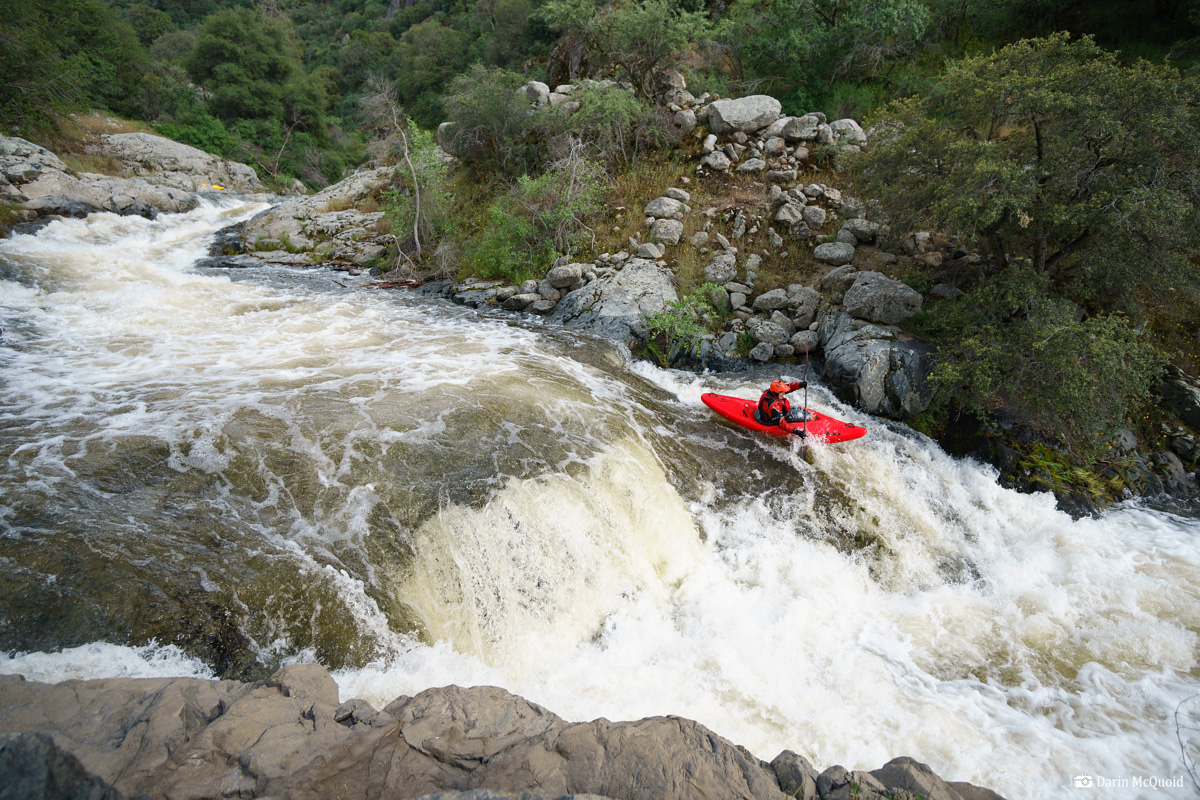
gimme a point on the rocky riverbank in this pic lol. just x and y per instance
(158, 176)
(291, 736)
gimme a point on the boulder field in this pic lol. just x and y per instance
(290, 736)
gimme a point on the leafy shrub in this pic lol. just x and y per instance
(537, 219)
(1009, 342)
(680, 326)
(491, 122)
(199, 129)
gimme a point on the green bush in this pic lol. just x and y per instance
(1011, 343)
(679, 327)
(199, 129)
(536, 220)
(491, 122)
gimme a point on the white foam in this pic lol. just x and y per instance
(874, 599)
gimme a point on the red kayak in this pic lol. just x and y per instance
(818, 426)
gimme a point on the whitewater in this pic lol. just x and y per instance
(215, 472)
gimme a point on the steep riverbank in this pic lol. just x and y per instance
(290, 736)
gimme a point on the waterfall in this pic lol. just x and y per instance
(216, 472)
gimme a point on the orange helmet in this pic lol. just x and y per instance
(779, 387)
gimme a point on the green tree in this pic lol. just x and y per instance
(427, 57)
(248, 62)
(64, 54)
(149, 22)
(632, 39)
(491, 123)
(1010, 343)
(810, 44)
(1052, 150)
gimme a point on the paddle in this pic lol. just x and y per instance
(803, 433)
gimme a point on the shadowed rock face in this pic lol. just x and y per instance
(184, 738)
(872, 368)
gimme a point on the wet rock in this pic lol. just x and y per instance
(877, 298)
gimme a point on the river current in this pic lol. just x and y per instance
(215, 472)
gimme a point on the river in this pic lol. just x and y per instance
(215, 472)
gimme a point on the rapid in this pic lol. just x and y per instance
(215, 472)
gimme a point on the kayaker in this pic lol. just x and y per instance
(773, 407)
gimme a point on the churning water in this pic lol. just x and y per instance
(216, 472)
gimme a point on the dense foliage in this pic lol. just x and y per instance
(59, 55)
(1077, 173)
(1052, 150)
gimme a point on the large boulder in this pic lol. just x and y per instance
(801, 129)
(327, 217)
(805, 301)
(722, 269)
(909, 775)
(877, 298)
(164, 162)
(290, 737)
(666, 231)
(40, 183)
(665, 208)
(616, 306)
(847, 131)
(747, 114)
(22, 161)
(834, 253)
(1181, 396)
(871, 367)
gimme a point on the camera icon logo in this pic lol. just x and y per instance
(1084, 781)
